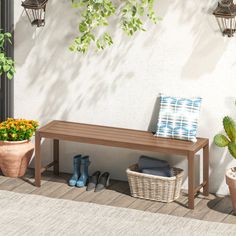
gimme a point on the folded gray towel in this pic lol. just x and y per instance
(146, 162)
(159, 171)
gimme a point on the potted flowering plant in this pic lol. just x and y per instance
(16, 148)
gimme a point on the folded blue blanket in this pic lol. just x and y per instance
(146, 162)
(159, 171)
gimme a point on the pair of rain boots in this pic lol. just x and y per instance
(80, 171)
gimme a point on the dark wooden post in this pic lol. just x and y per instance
(56, 156)
(37, 159)
(191, 180)
(7, 86)
(206, 169)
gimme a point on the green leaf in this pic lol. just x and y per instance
(141, 11)
(9, 62)
(232, 149)
(83, 27)
(8, 35)
(92, 37)
(6, 68)
(75, 5)
(77, 40)
(10, 75)
(230, 128)
(98, 43)
(72, 48)
(221, 141)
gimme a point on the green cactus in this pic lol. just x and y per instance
(222, 141)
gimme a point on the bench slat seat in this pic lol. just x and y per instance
(119, 137)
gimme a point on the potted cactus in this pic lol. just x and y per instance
(229, 140)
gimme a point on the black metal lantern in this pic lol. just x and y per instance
(225, 14)
(35, 10)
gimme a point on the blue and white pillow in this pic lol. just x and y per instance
(178, 118)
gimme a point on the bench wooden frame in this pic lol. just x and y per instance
(124, 138)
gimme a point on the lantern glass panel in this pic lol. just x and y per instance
(36, 16)
(227, 25)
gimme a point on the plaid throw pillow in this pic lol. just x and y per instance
(178, 118)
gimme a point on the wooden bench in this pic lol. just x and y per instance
(123, 138)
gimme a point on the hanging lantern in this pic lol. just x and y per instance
(35, 10)
(225, 14)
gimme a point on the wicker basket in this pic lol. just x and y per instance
(151, 187)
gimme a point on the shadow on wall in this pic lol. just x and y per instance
(208, 44)
(218, 166)
(162, 9)
(230, 102)
(208, 47)
(152, 127)
(26, 32)
(57, 72)
(203, 59)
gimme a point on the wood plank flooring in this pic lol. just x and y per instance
(212, 208)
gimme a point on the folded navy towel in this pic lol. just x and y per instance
(159, 171)
(146, 162)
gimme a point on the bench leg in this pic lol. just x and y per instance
(37, 160)
(191, 180)
(56, 156)
(206, 170)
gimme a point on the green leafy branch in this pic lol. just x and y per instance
(6, 63)
(132, 14)
(96, 13)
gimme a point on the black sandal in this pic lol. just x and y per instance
(103, 182)
(93, 181)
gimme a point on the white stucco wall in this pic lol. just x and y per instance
(183, 55)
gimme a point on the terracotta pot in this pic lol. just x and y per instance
(15, 157)
(231, 181)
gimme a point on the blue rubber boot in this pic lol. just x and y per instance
(76, 170)
(83, 179)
